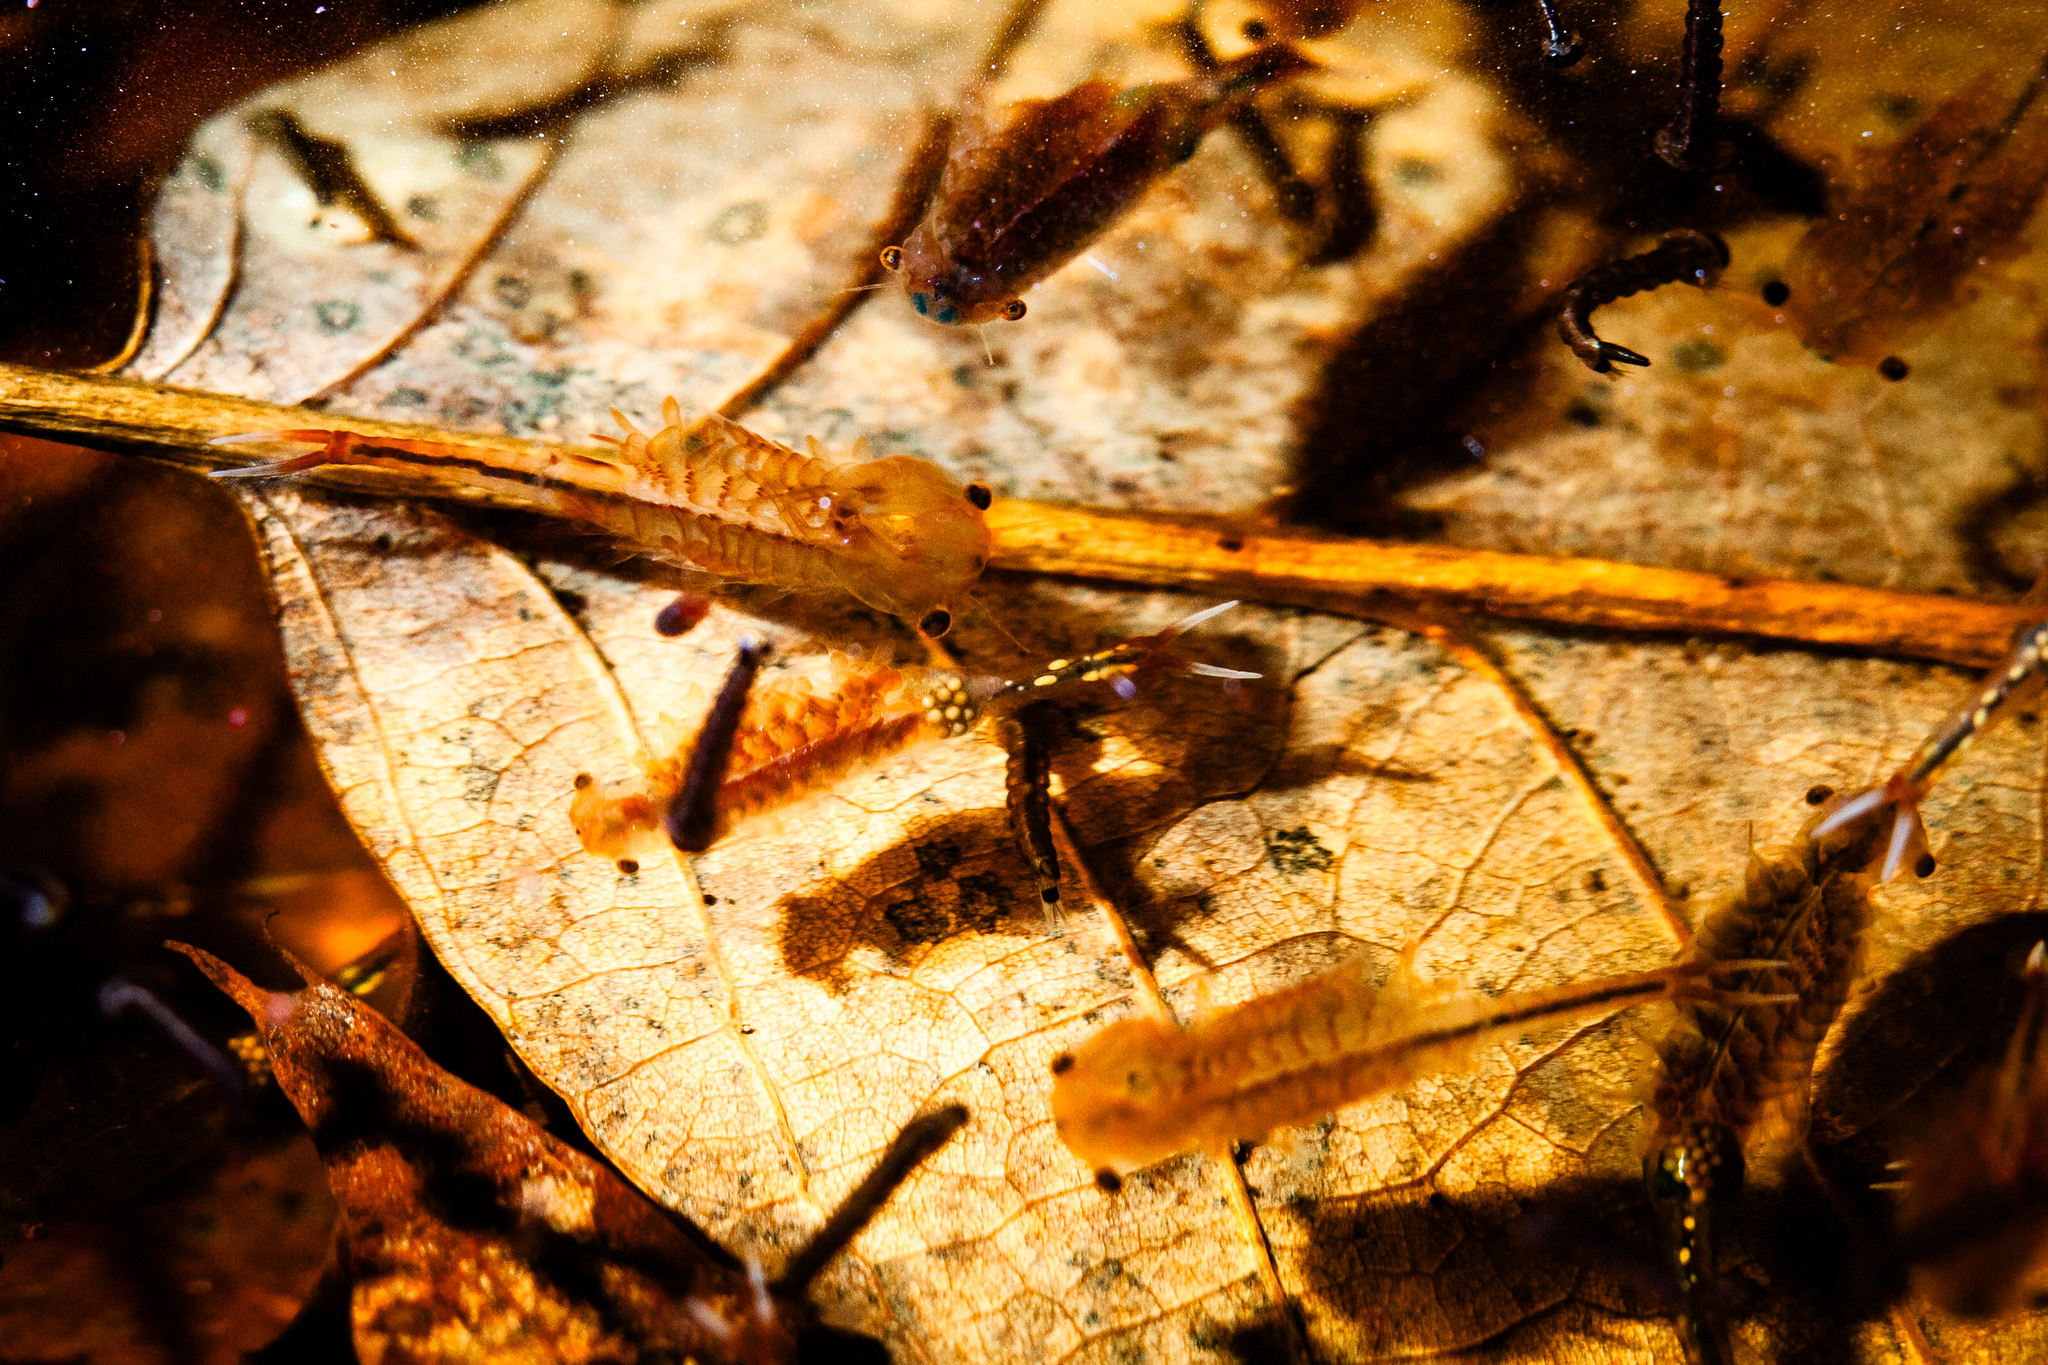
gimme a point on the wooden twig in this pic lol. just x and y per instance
(1350, 577)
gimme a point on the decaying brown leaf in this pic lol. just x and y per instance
(467, 1233)
(742, 1032)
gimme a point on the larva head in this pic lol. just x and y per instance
(1110, 1097)
(912, 539)
(616, 820)
(946, 292)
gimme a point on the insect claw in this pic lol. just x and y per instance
(1621, 355)
(290, 464)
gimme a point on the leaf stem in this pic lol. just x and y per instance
(1347, 576)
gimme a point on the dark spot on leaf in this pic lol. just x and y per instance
(1697, 356)
(1296, 851)
(739, 223)
(336, 316)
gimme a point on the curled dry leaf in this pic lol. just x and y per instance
(469, 1233)
(742, 1033)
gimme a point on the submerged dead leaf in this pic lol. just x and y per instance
(742, 1032)
(467, 1233)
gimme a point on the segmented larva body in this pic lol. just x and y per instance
(1143, 1089)
(1747, 1057)
(898, 533)
(793, 739)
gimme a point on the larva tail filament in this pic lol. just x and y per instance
(335, 448)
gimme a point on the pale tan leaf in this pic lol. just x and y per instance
(742, 1033)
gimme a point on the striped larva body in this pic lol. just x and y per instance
(1144, 1089)
(898, 533)
(794, 737)
(1894, 805)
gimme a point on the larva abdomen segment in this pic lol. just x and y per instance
(1142, 1090)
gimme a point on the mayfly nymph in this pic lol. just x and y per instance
(1144, 1089)
(1016, 203)
(897, 533)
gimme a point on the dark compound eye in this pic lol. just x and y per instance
(1013, 310)
(628, 866)
(1776, 292)
(892, 258)
(1818, 793)
(978, 494)
(1925, 867)
(1062, 1064)
(935, 623)
(582, 781)
(1892, 368)
(1108, 1181)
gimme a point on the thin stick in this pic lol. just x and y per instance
(693, 821)
(1154, 1002)
(913, 191)
(1474, 659)
(1362, 578)
(920, 1137)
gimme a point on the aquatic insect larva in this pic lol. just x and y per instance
(1561, 46)
(1738, 1063)
(793, 738)
(1016, 203)
(1144, 1089)
(1949, 198)
(1683, 255)
(898, 533)
(1692, 141)
(1895, 805)
(1974, 1226)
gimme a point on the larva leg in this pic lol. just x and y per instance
(1027, 787)
(683, 615)
(1297, 198)
(693, 820)
(1683, 255)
